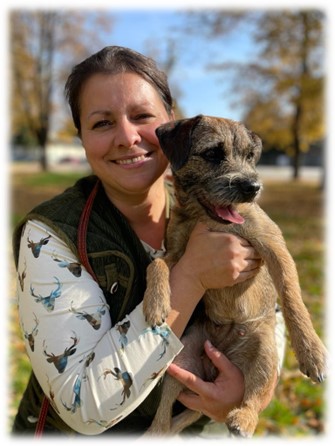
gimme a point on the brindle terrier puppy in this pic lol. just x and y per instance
(213, 164)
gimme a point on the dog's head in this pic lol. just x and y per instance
(213, 163)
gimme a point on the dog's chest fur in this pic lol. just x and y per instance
(230, 303)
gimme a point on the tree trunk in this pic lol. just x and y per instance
(296, 142)
(42, 137)
(43, 159)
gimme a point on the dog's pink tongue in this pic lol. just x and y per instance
(229, 214)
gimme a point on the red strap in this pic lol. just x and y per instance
(42, 417)
(82, 249)
(82, 230)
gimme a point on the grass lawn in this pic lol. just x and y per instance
(298, 408)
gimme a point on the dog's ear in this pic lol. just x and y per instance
(175, 139)
(257, 145)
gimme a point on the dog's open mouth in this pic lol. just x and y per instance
(224, 214)
(228, 213)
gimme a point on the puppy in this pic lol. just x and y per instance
(213, 164)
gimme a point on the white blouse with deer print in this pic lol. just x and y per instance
(95, 375)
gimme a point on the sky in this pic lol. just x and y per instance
(202, 91)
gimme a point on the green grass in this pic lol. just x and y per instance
(298, 407)
(52, 179)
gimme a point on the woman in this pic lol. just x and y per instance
(82, 256)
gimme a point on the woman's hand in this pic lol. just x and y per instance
(218, 259)
(211, 260)
(214, 399)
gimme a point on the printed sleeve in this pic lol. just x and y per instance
(94, 375)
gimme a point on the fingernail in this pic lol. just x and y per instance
(209, 344)
(172, 368)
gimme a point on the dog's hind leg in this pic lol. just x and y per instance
(259, 368)
(183, 420)
(162, 422)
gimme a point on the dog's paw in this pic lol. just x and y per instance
(242, 422)
(155, 314)
(235, 432)
(313, 363)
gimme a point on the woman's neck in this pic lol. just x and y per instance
(145, 213)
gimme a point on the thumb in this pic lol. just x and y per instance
(200, 228)
(221, 362)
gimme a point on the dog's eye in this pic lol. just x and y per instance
(250, 156)
(213, 155)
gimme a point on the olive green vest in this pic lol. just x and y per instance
(119, 262)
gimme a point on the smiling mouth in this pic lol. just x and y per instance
(134, 160)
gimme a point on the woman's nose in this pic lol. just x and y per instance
(126, 134)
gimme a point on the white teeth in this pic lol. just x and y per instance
(131, 160)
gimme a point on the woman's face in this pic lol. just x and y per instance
(119, 114)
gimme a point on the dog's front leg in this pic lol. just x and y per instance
(310, 351)
(156, 301)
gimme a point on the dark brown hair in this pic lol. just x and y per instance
(114, 60)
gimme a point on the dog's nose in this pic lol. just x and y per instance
(250, 187)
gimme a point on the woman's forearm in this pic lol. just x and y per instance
(97, 374)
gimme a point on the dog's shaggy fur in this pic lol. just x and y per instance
(213, 163)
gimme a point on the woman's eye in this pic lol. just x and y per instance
(143, 116)
(101, 124)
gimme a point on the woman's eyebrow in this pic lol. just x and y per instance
(99, 112)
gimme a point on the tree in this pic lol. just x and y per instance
(42, 44)
(291, 58)
(165, 53)
(281, 85)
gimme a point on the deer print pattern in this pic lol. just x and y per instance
(93, 371)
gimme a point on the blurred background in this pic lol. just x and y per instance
(265, 67)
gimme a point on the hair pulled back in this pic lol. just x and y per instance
(115, 60)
